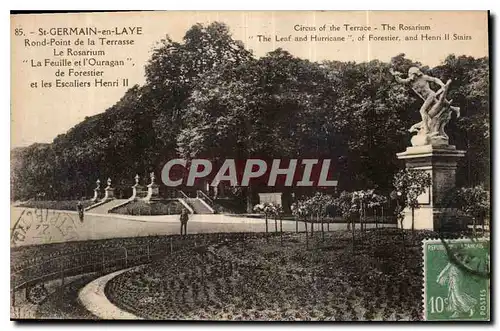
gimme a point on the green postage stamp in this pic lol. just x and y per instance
(457, 279)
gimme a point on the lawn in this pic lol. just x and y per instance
(266, 279)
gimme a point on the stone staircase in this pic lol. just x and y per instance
(107, 206)
(198, 206)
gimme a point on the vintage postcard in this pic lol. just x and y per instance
(250, 166)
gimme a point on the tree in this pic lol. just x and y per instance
(470, 90)
(176, 68)
(32, 171)
(475, 202)
(375, 201)
(365, 200)
(268, 209)
(347, 204)
(318, 205)
(302, 211)
(359, 204)
(259, 107)
(278, 213)
(369, 122)
(275, 210)
(344, 203)
(299, 211)
(409, 185)
(400, 216)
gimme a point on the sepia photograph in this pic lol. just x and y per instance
(250, 166)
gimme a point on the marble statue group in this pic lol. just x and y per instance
(436, 110)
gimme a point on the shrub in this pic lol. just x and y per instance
(154, 208)
(473, 201)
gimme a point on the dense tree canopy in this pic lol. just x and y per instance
(209, 97)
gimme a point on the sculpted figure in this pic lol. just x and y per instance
(458, 302)
(435, 111)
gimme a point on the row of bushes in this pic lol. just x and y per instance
(139, 207)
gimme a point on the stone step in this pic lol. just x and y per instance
(198, 206)
(104, 208)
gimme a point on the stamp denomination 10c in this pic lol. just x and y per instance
(456, 279)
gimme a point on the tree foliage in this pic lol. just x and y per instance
(268, 209)
(409, 185)
(317, 205)
(470, 91)
(473, 201)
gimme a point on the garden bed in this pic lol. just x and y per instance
(171, 207)
(261, 279)
(31, 265)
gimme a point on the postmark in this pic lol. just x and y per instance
(456, 279)
(41, 226)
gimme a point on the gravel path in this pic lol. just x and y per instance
(64, 226)
(92, 297)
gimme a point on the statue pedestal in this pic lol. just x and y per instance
(441, 163)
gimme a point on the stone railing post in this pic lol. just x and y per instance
(153, 190)
(109, 192)
(97, 190)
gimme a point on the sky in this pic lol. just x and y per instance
(40, 114)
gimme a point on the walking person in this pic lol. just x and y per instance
(184, 221)
(80, 209)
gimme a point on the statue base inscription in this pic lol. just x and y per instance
(441, 163)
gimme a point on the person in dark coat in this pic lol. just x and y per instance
(184, 221)
(80, 209)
